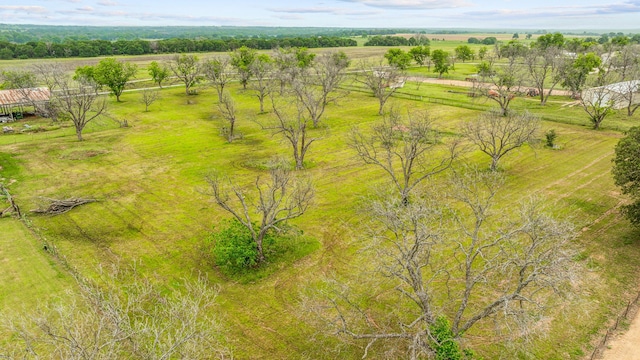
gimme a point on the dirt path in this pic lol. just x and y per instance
(468, 84)
(627, 345)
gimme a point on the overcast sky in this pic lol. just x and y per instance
(536, 14)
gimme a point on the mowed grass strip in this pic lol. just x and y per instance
(153, 207)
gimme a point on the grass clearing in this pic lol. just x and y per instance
(153, 208)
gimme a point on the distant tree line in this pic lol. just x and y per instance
(22, 34)
(397, 41)
(92, 48)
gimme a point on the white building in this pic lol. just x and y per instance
(618, 95)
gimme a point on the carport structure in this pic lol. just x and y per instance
(13, 101)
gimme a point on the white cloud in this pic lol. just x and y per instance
(557, 12)
(322, 10)
(107, 3)
(24, 8)
(412, 4)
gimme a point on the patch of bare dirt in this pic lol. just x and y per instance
(627, 345)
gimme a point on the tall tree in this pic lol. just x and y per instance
(80, 102)
(383, 81)
(599, 100)
(408, 149)
(464, 53)
(114, 75)
(501, 267)
(188, 69)
(497, 135)
(281, 199)
(262, 69)
(227, 108)
(319, 85)
(544, 65)
(398, 58)
(420, 54)
(291, 63)
(626, 172)
(218, 73)
(158, 72)
(574, 74)
(499, 83)
(120, 318)
(241, 60)
(291, 122)
(441, 61)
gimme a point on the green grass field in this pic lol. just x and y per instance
(154, 210)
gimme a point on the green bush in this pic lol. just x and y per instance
(551, 138)
(445, 345)
(234, 250)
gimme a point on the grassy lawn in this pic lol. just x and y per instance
(154, 210)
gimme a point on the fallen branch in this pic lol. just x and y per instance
(14, 207)
(6, 211)
(57, 207)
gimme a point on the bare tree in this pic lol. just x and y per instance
(188, 69)
(290, 64)
(545, 66)
(80, 102)
(627, 67)
(149, 96)
(485, 265)
(218, 72)
(49, 73)
(115, 319)
(497, 135)
(601, 98)
(409, 151)
(383, 81)
(629, 94)
(500, 83)
(262, 70)
(294, 126)
(281, 199)
(227, 108)
(319, 81)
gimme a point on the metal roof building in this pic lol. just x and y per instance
(620, 95)
(19, 98)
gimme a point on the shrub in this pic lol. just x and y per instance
(551, 138)
(234, 250)
(444, 344)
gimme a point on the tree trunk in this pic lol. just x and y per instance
(494, 163)
(259, 248)
(79, 134)
(230, 139)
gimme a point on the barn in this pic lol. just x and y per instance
(13, 102)
(618, 94)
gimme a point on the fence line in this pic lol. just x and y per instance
(601, 345)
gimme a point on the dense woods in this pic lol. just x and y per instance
(93, 48)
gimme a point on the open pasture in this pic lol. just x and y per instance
(154, 208)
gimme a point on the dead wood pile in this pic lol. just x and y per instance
(57, 207)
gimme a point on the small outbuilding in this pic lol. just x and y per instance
(620, 95)
(14, 101)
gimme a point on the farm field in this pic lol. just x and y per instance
(155, 210)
